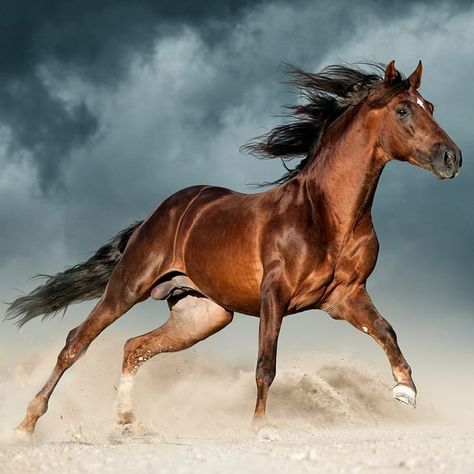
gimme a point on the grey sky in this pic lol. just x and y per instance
(104, 111)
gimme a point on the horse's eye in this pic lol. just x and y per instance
(402, 112)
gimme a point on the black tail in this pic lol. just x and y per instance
(82, 282)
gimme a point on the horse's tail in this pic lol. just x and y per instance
(81, 282)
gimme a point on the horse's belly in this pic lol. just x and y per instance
(226, 268)
(232, 284)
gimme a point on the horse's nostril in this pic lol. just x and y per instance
(449, 159)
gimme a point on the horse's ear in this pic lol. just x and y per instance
(391, 72)
(415, 77)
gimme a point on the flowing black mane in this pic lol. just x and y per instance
(328, 94)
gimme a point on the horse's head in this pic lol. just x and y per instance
(409, 130)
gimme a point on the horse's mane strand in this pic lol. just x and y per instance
(327, 95)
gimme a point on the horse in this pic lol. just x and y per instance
(307, 242)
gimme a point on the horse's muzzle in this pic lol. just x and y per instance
(447, 161)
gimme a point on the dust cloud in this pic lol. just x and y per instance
(330, 415)
(195, 393)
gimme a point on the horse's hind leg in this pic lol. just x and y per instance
(116, 300)
(192, 319)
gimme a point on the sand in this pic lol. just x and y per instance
(327, 415)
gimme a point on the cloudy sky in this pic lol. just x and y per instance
(106, 110)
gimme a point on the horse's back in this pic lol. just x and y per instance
(208, 234)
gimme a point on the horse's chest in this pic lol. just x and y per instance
(342, 267)
(357, 257)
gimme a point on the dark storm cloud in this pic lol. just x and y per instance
(94, 41)
(91, 40)
(97, 37)
(44, 125)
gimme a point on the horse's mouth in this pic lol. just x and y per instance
(447, 173)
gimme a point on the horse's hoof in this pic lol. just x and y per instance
(264, 431)
(126, 418)
(405, 395)
(267, 434)
(20, 436)
(127, 431)
(133, 429)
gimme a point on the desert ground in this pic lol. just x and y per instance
(328, 415)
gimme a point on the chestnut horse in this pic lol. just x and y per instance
(306, 243)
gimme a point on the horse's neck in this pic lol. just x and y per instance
(346, 172)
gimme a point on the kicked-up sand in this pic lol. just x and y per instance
(327, 415)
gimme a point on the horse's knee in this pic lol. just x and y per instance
(265, 373)
(385, 331)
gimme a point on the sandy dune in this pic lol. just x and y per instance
(328, 416)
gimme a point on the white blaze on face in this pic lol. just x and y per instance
(420, 102)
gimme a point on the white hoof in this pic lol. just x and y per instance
(405, 395)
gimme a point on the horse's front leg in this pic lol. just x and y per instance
(273, 304)
(359, 310)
